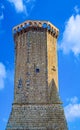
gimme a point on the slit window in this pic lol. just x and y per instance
(28, 82)
(20, 83)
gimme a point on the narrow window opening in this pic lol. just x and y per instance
(20, 83)
(28, 82)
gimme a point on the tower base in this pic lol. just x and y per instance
(37, 117)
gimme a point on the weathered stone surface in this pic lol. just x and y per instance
(37, 117)
(36, 105)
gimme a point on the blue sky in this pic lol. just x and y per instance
(66, 16)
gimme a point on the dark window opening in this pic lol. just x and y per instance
(28, 82)
(20, 83)
(37, 70)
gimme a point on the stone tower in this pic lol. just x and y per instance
(36, 105)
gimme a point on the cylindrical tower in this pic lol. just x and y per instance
(36, 103)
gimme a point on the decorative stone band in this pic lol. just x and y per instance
(36, 25)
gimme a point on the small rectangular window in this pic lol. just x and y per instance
(37, 70)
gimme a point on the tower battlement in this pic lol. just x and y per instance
(36, 25)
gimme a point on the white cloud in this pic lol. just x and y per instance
(2, 75)
(1, 11)
(6, 76)
(71, 36)
(72, 110)
(2, 6)
(72, 100)
(1, 16)
(21, 5)
(76, 9)
(28, 1)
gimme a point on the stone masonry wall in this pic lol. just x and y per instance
(37, 104)
(31, 67)
(37, 117)
(52, 59)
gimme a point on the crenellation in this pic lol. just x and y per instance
(36, 25)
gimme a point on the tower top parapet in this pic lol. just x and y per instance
(37, 24)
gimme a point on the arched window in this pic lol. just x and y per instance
(18, 29)
(54, 31)
(44, 25)
(49, 27)
(14, 31)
